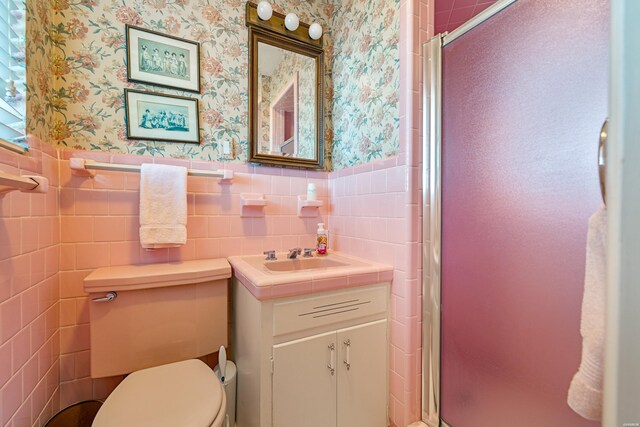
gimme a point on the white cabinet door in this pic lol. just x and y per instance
(362, 375)
(304, 386)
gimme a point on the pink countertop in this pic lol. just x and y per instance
(266, 284)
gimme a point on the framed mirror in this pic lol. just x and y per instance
(285, 98)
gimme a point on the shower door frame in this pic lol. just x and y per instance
(431, 210)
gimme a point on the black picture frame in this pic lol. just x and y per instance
(177, 65)
(146, 119)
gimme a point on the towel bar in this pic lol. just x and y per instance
(87, 166)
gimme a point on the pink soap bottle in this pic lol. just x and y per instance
(322, 239)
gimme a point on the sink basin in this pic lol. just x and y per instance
(299, 264)
(288, 277)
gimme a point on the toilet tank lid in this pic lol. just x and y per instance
(133, 277)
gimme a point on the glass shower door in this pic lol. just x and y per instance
(523, 97)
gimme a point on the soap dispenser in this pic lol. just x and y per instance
(322, 239)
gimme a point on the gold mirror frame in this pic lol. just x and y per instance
(273, 32)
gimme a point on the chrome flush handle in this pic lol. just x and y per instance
(109, 297)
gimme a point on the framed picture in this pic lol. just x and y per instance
(159, 117)
(162, 60)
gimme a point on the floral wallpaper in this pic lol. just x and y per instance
(88, 66)
(366, 65)
(38, 64)
(77, 73)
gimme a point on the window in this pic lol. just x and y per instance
(12, 70)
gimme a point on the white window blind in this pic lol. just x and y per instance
(12, 69)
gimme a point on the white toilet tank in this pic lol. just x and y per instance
(162, 313)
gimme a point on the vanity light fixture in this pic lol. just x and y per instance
(315, 31)
(265, 11)
(291, 21)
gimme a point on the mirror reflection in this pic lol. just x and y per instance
(286, 103)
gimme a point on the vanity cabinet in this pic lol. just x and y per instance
(339, 377)
(316, 361)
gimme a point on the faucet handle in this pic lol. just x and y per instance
(308, 252)
(271, 255)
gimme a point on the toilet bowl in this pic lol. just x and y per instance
(185, 394)
(151, 322)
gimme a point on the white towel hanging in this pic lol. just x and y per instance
(163, 206)
(585, 391)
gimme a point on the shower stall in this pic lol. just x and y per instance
(514, 101)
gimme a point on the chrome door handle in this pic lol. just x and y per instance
(109, 297)
(602, 159)
(332, 359)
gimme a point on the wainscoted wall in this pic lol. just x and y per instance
(378, 214)
(370, 220)
(29, 281)
(81, 108)
(89, 69)
(99, 228)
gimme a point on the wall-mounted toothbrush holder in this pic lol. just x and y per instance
(308, 208)
(24, 183)
(252, 205)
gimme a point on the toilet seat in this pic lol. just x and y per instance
(186, 394)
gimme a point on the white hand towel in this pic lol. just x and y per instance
(585, 391)
(163, 206)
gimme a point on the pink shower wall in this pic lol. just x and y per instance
(519, 178)
(450, 14)
(99, 228)
(29, 337)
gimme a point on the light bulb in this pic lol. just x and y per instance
(291, 21)
(265, 10)
(315, 31)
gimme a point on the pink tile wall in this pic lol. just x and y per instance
(99, 227)
(450, 14)
(377, 213)
(29, 335)
(370, 219)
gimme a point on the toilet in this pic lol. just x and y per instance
(152, 322)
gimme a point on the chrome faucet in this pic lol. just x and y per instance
(293, 253)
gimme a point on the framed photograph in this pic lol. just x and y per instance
(159, 117)
(162, 60)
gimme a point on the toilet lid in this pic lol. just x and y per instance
(185, 394)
